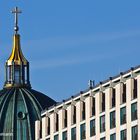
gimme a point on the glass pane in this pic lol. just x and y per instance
(82, 132)
(64, 135)
(112, 119)
(102, 123)
(123, 115)
(134, 111)
(123, 135)
(113, 137)
(56, 137)
(92, 128)
(135, 133)
(73, 133)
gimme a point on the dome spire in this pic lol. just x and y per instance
(16, 11)
(17, 67)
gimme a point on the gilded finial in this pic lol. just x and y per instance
(16, 11)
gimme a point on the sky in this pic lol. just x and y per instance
(69, 42)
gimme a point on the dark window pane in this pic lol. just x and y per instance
(112, 120)
(73, 133)
(102, 123)
(82, 132)
(123, 135)
(123, 115)
(135, 133)
(134, 111)
(92, 128)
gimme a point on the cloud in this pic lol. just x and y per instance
(65, 42)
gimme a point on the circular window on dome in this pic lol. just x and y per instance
(21, 115)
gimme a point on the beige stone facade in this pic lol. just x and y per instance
(108, 111)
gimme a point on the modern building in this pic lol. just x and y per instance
(20, 105)
(107, 111)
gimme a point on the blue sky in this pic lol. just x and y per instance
(70, 42)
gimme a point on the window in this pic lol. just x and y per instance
(17, 74)
(113, 137)
(56, 122)
(135, 133)
(134, 88)
(112, 120)
(73, 133)
(48, 139)
(123, 93)
(102, 123)
(102, 138)
(113, 98)
(92, 104)
(83, 110)
(102, 101)
(26, 75)
(92, 128)
(56, 137)
(40, 129)
(82, 132)
(123, 115)
(64, 135)
(48, 126)
(123, 135)
(73, 114)
(9, 74)
(133, 111)
(64, 118)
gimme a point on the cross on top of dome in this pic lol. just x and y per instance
(16, 11)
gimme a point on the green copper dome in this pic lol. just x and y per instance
(20, 105)
(19, 108)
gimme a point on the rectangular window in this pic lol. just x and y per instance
(64, 135)
(17, 74)
(56, 137)
(73, 133)
(134, 88)
(40, 129)
(82, 131)
(48, 126)
(112, 119)
(123, 93)
(56, 122)
(102, 138)
(123, 115)
(73, 114)
(113, 137)
(113, 97)
(123, 135)
(134, 111)
(102, 123)
(83, 110)
(102, 102)
(92, 106)
(92, 128)
(64, 118)
(135, 133)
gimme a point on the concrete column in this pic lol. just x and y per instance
(128, 106)
(138, 95)
(44, 127)
(88, 107)
(107, 111)
(37, 130)
(97, 100)
(118, 91)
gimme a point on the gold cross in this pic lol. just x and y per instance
(16, 11)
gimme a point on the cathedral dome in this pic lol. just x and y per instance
(20, 105)
(19, 109)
